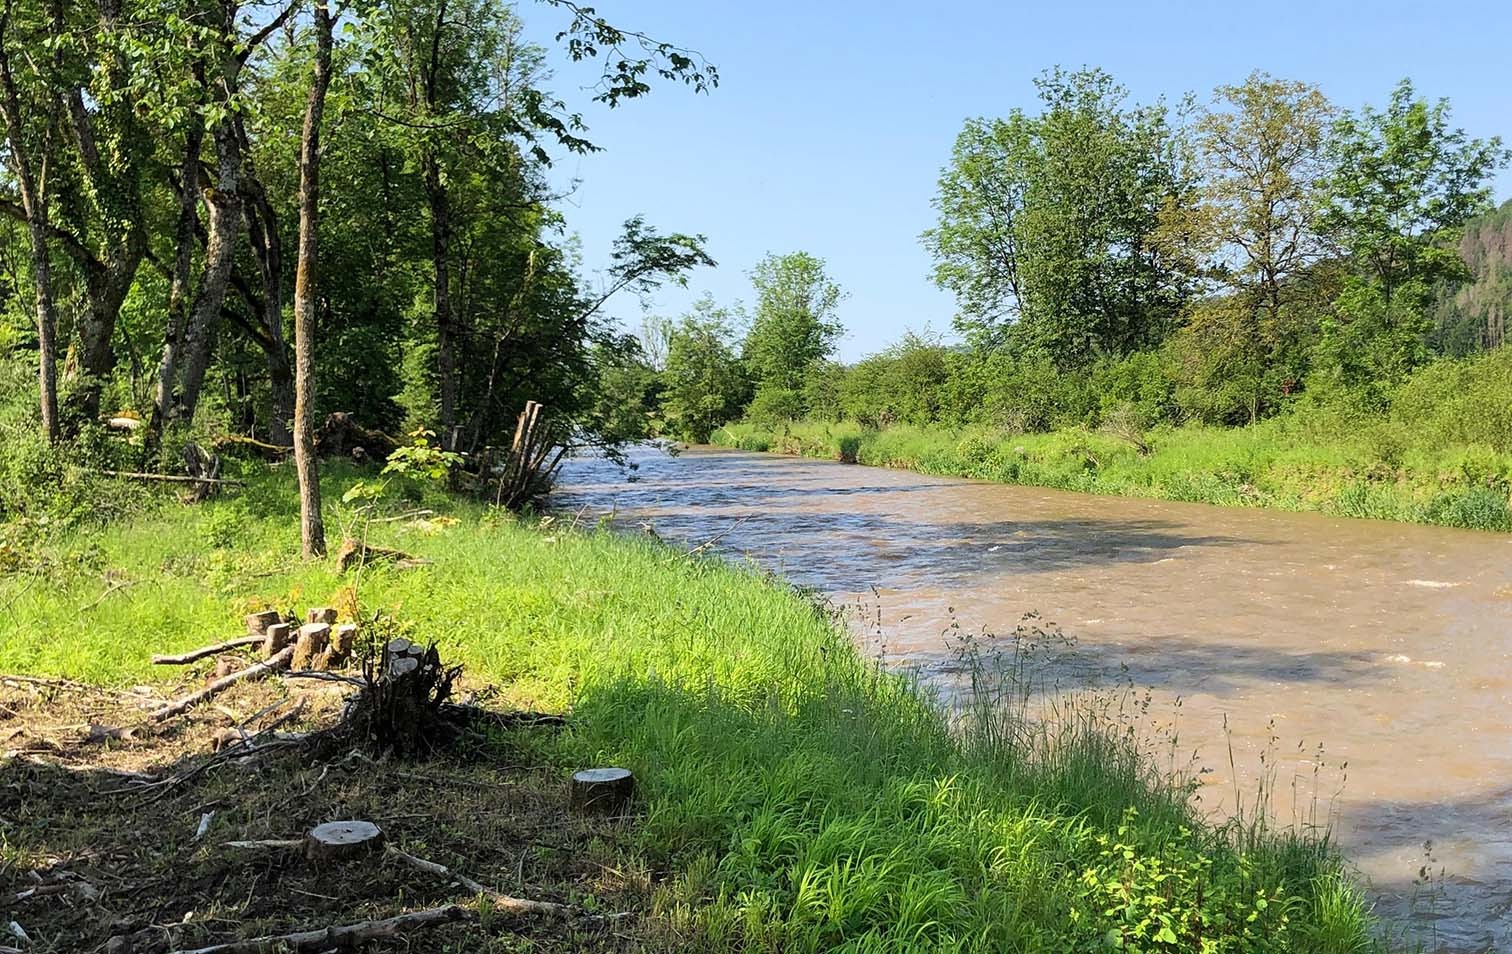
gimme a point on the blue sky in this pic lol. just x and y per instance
(832, 119)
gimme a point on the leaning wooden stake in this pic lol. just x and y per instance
(501, 902)
(203, 651)
(279, 661)
(342, 936)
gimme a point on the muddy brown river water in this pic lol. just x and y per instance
(1388, 645)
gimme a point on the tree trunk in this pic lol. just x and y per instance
(178, 292)
(112, 184)
(267, 246)
(224, 201)
(312, 530)
(446, 353)
(34, 202)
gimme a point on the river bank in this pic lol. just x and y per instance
(1280, 463)
(794, 795)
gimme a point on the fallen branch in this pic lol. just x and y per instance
(324, 677)
(171, 478)
(83, 889)
(501, 902)
(118, 584)
(718, 536)
(196, 654)
(342, 936)
(277, 662)
(280, 844)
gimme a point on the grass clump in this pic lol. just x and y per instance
(794, 795)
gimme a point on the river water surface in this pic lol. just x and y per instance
(1388, 645)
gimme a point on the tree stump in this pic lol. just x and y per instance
(342, 841)
(602, 790)
(277, 637)
(401, 658)
(343, 641)
(258, 623)
(321, 614)
(312, 641)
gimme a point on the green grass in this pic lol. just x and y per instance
(794, 796)
(1380, 469)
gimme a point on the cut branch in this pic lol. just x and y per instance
(501, 902)
(197, 654)
(277, 662)
(342, 936)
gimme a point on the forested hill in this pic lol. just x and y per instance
(1474, 315)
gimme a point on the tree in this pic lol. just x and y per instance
(1047, 223)
(704, 385)
(1404, 184)
(794, 326)
(306, 277)
(32, 183)
(1253, 231)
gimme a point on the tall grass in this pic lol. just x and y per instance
(794, 795)
(1377, 469)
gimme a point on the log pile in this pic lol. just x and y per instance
(317, 646)
(529, 468)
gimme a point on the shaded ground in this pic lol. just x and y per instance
(108, 831)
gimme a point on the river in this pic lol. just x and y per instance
(1387, 645)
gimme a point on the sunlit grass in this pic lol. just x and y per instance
(1284, 463)
(794, 796)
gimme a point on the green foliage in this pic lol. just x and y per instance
(794, 328)
(1047, 223)
(704, 384)
(1402, 181)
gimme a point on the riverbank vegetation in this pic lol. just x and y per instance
(1266, 300)
(793, 795)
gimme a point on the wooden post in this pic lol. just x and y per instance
(278, 636)
(258, 623)
(312, 641)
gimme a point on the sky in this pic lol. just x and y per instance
(833, 118)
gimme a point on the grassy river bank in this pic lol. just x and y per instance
(1288, 463)
(792, 796)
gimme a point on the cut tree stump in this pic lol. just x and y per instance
(311, 643)
(277, 637)
(343, 641)
(258, 623)
(342, 841)
(321, 614)
(602, 790)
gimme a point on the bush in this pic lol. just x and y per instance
(775, 405)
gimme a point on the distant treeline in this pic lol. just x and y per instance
(1158, 263)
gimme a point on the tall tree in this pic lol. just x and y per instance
(306, 277)
(33, 185)
(794, 326)
(1046, 223)
(1404, 184)
(1254, 229)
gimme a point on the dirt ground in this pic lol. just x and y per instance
(104, 843)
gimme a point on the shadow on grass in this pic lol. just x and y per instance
(70, 813)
